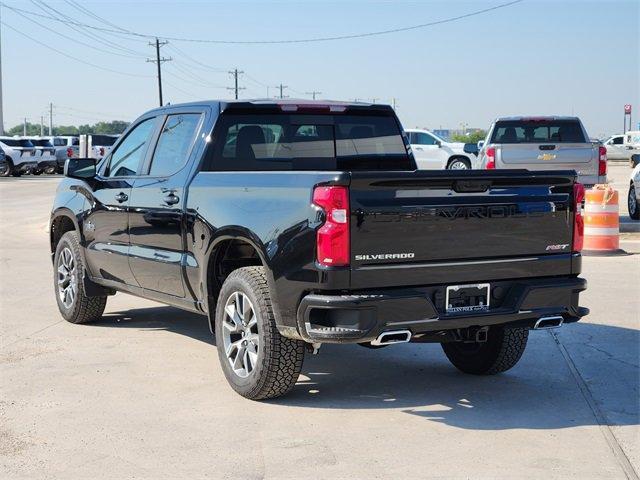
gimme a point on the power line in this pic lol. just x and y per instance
(266, 42)
(84, 62)
(68, 21)
(73, 39)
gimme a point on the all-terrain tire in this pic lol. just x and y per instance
(83, 309)
(632, 202)
(279, 359)
(502, 350)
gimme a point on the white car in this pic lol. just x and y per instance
(434, 153)
(634, 193)
(45, 155)
(621, 147)
(19, 156)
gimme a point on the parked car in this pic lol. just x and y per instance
(19, 156)
(543, 143)
(634, 193)
(101, 145)
(67, 146)
(45, 155)
(434, 153)
(296, 224)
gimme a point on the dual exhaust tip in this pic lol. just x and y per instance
(403, 336)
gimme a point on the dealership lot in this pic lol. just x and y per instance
(141, 394)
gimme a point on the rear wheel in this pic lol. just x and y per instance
(632, 202)
(74, 305)
(257, 361)
(459, 164)
(502, 350)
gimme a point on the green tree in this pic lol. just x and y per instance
(470, 137)
(114, 127)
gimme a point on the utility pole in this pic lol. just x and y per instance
(24, 127)
(282, 87)
(41, 125)
(313, 94)
(50, 118)
(393, 103)
(374, 100)
(159, 61)
(235, 72)
(1, 108)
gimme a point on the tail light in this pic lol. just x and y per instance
(491, 158)
(102, 151)
(332, 238)
(602, 161)
(578, 222)
(69, 152)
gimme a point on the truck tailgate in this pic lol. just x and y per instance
(582, 157)
(430, 226)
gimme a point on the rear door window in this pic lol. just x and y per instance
(308, 142)
(174, 145)
(537, 131)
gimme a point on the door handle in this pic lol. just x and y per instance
(419, 148)
(122, 197)
(171, 199)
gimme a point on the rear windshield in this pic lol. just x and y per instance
(538, 131)
(42, 143)
(308, 142)
(102, 140)
(15, 142)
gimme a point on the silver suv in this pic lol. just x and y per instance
(543, 143)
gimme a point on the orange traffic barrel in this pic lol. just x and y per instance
(601, 221)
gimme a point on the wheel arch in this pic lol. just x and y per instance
(62, 221)
(231, 249)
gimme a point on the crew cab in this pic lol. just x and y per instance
(543, 143)
(291, 224)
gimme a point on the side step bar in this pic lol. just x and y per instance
(392, 336)
(548, 322)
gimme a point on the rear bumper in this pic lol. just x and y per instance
(50, 162)
(362, 316)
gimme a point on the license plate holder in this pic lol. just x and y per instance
(470, 298)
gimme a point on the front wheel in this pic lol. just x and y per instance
(459, 164)
(257, 361)
(74, 305)
(502, 350)
(6, 168)
(632, 202)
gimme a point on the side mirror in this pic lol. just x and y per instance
(471, 148)
(439, 143)
(81, 168)
(480, 145)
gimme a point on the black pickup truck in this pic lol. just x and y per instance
(296, 223)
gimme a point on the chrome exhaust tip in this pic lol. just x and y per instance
(392, 336)
(548, 322)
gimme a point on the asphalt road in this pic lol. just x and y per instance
(141, 395)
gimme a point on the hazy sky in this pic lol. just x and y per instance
(534, 57)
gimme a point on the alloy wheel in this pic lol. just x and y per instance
(241, 341)
(458, 165)
(67, 278)
(633, 202)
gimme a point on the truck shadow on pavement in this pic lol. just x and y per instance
(539, 393)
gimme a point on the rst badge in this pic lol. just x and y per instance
(559, 246)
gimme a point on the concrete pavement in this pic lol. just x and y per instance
(140, 394)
